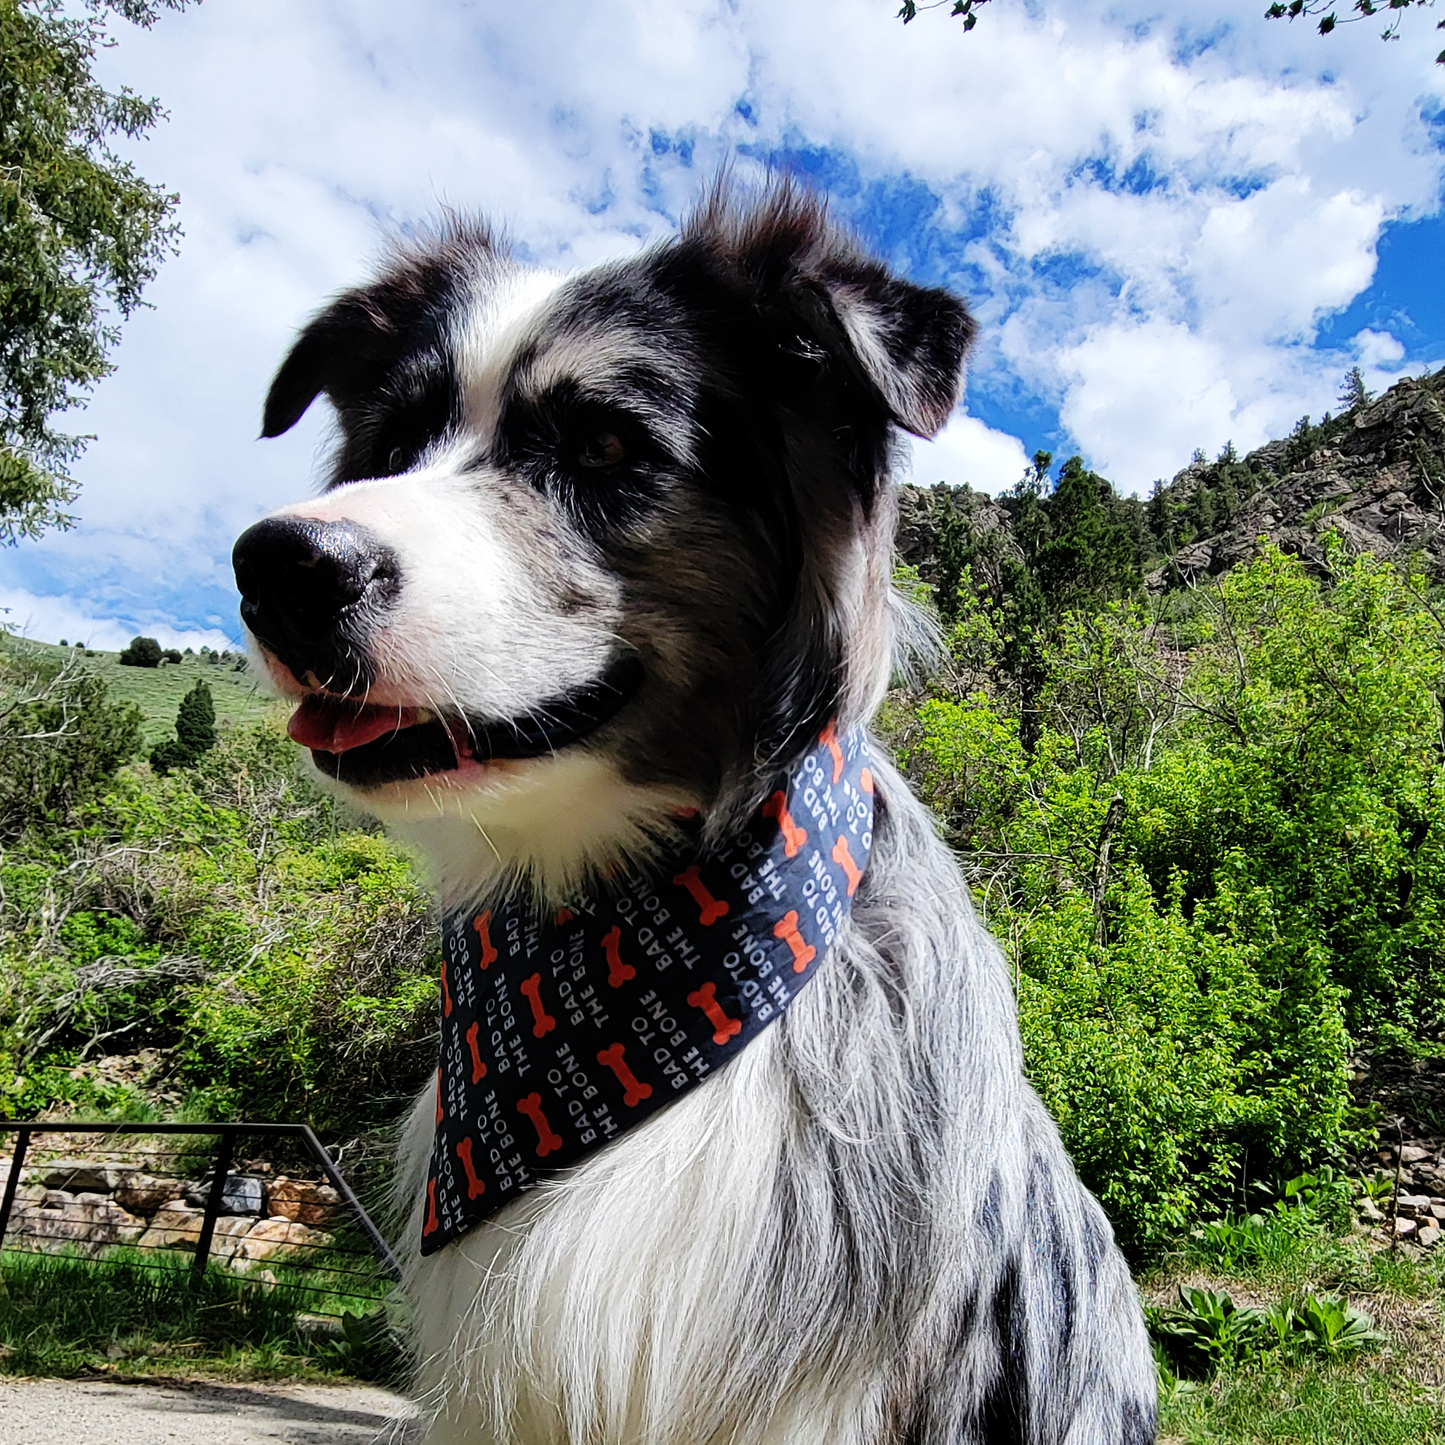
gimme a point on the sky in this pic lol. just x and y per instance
(1178, 224)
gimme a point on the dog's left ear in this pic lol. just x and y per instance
(909, 342)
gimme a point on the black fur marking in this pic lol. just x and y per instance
(1139, 1424)
(1003, 1415)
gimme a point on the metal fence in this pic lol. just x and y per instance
(150, 1193)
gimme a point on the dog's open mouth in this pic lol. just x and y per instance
(366, 745)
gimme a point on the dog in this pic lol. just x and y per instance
(602, 551)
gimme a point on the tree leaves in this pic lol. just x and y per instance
(81, 235)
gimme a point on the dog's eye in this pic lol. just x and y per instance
(603, 450)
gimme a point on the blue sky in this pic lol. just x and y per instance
(1178, 225)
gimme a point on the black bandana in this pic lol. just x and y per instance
(559, 1034)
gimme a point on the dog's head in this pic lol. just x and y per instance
(594, 546)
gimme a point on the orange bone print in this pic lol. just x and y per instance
(723, 1027)
(865, 780)
(479, 1069)
(483, 924)
(829, 738)
(633, 1090)
(786, 928)
(617, 972)
(793, 836)
(712, 909)
(547, 1141)
(446, 993)
(432, 1222)
(475, 1187)
(564, 916)
(542, 1021)
(844, 858)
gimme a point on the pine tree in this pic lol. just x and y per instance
(1353, 391)
(195, 732)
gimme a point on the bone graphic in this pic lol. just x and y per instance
(793, 836)
(440, 1114)
(723, 1028)
(432, 1222)
(617, 972)
(786, 928)
(865, 780)
(446, 993)
(475, 1187)
(842, 856)
(633, 1091)
(483, 924)
(829, 738)
(542, 1021)
(712, 909)
(564, 915)
(547, 1141)
(479, 1069)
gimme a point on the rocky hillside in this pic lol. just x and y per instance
(1375, 475)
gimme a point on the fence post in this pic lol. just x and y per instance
(213, 1206)
(319, 1154)
(12, 1182)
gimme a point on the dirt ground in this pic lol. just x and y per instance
(104, 1412)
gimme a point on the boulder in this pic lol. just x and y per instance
(1405, 1228)
(1412, 1206)
(79, 1175)
(1427, 1235)
(241, 1195)
(277, 1237)
(175, 1225)
(88, 1221)
(144, 1193)
(1369, 1213)
(303, 1201)
(1413, 1154)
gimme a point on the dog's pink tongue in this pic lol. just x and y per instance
(333, 726)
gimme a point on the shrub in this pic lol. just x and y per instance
(195, 732)
(142, 652)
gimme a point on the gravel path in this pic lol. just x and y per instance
(101, 1412)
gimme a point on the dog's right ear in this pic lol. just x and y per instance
(355, 342)
(351, 340)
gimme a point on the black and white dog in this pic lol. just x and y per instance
(604, 547)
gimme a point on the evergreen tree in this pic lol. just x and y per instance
(142, 652)
(1353, 391)
(195, 732)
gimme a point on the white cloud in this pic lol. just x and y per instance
(48, 619)
(967, 450)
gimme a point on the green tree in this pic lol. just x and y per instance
(1353, 391)
(195, 732)
(142, 652)
(81, 234)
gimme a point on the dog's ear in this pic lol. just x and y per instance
(340, 348)
(356, 341)
(905, 344)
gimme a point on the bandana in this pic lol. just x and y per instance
(559, 1034)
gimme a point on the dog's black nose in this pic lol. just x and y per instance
(307, 586)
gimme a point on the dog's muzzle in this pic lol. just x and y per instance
(310, 590)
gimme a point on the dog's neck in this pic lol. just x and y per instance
(553, 829)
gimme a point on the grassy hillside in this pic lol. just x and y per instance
(157, 691)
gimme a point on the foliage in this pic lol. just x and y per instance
(1278, 10)
(61, 741)
(142, 652)
(81, 234)
(282, 962)
(195, 732)
(1215, 869)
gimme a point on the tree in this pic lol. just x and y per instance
(1353, 391)
(195, 732)
(143, 651)
(1329, 20)
(81, 234)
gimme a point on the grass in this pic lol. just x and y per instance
(61, 1315)
(1391, 1394)
(158, 691)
